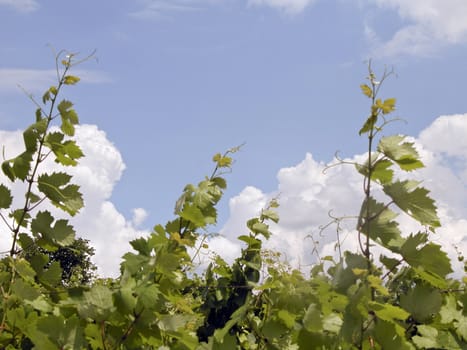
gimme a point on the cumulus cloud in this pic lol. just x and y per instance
(21, 5)
(139, 215)
(34, 80)
(288, 6)
(108, 230)
(311, 196)
(430, 24)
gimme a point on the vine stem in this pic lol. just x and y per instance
(31, 178)
(30, 181)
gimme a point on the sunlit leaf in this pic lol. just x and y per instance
(367, 91)
(70, 80)
(403, 153)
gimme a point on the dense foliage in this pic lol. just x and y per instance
(402, 300)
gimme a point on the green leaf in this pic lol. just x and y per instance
(414, 201)
(269, 215)
(53, 275)
(403, 153)
(97, 303)
(391, 336)
(219, 182)
(449, 311)
(64, 196)
(33, 198)
(381, 226)
(70, 80)
(46, 97)
(367, 91)
(430, 258)
(369, 124)
(258, 227)
(332, 323)
(32, 134)
(273, 328)
(376, 283)
(287, 318)
(423, 302)
(5, 197)
(20, 217)
(25, 241)
(25, 270)
(174, 322)
(68, 116)
(427, 338)
(461, 327)
(261, 228)
(389, 263)
(193, 214)
(430, 277)
(388, 312)
(222, 161)
(25, 291)
(53, 90)
(312, 319)
(19, 167)
(41, 304)
(60, 233)
(388, 106)
(125, 300)
(141, 246)
(381, 171)
(67, 152)
(8, 170)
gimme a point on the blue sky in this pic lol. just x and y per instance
(176, 81)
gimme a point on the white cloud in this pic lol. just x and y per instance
(307, 195)
(99, 221)
(153, 9)
(156, 9)
(291, 7)
(431, 24)
(21, 5)
(34, 80)
(139, 215)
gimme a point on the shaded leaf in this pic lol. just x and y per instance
(367, 91)
(423, 302)
(5, 197)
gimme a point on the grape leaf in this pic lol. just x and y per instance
(403, 153)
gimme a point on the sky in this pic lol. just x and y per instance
(173, 82)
